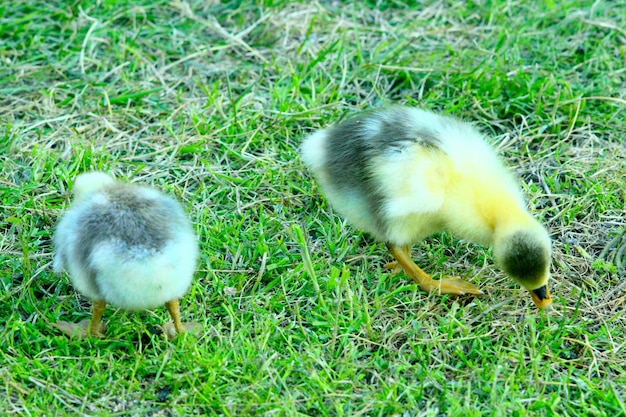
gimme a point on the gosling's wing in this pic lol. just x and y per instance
(412, 179)
(378, 165)
(407, 161)
(63, 241)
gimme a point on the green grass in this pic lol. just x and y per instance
(210, 102)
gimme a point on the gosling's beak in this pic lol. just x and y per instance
(541, 297)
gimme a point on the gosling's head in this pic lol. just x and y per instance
(90, 182)
(524, 255)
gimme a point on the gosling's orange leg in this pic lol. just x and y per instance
(85, 328)
(447, 285)
(173, 307)
(95, 325)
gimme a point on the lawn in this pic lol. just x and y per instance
(209, 101)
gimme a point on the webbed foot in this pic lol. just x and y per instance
(169, 329)
(447, 285)
(453, 285)
(80, 330)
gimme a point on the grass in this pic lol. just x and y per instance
(210, 101)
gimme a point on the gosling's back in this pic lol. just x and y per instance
(138, 222)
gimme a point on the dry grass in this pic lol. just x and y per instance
(210, 101)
